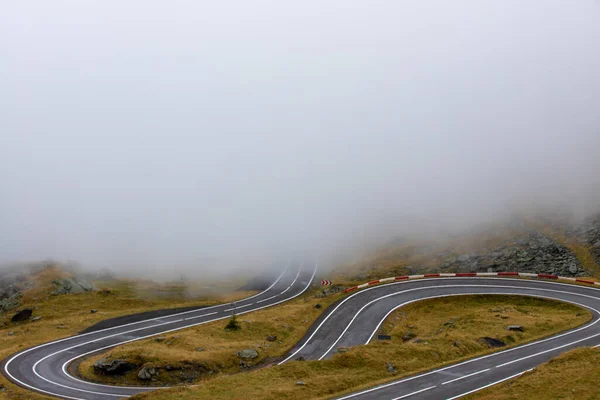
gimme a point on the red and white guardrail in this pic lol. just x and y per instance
(470, 274)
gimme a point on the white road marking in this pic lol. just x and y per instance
(272, 297)
(488, 385)
(294, 281)
(200, 316)
(547, 351)
(377, 388)
(466, 376)
(235, 308)
(413, 393)
(424, 298)
(587, 326)
(64, 366)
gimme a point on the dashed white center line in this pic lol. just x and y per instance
(272, 297)
(200, 316)
(466, 376)
(292, 284)
(235, 308)
(413, 393)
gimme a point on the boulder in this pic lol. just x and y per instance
(271, 338)
(247, 354)
(113, 367)
(518, 328)
(22, 315)
(74, 285)
(146, 373)
(391, 368)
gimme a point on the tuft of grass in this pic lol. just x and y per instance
(233, 324)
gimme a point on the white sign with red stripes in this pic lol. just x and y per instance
(326, 283)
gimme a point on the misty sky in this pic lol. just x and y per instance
(161, 134)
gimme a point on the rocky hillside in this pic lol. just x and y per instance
(549, 246)
(45, 277)
(534, 253)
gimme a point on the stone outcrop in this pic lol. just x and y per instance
(535, 253)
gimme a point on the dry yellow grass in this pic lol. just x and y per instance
(288, 322)
(66, 315)
(572, 375)
(364, 366)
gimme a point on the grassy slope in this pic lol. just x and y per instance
(364, 366)
(572, 375)
(288, 322)
(66, 315)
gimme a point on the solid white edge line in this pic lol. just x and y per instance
(586, 326)
(466, 376)
(314, 272)
(490, 384)
(406, 282)
(424, 298)
(111, 328)
(145, 388)
(413, 393)
(547, 351)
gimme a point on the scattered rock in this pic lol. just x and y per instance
(2, 388)
(515, 328)
(391, 368)
(318, 306)
(456, 343)
(93, 311)
(147, 373)
(300, 359)
(247, 354)
(160, 339)
(11, 333)
(342, 349)
(420, 341)
(449, 323)
(492, 342)
(409, 335)
(200, 349)
(36, 318)
(271, 338)
(22, 315)
(300, 383)
(113, 367)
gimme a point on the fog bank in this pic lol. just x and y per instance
(194, 135)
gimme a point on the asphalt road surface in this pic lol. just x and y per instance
(354, 319)
(44, 368)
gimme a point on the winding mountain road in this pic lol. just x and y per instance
(44, 368)
(353, 320)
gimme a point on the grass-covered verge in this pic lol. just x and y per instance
(67, 314)
(572, 375)
(209, 350)
(442, 331)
